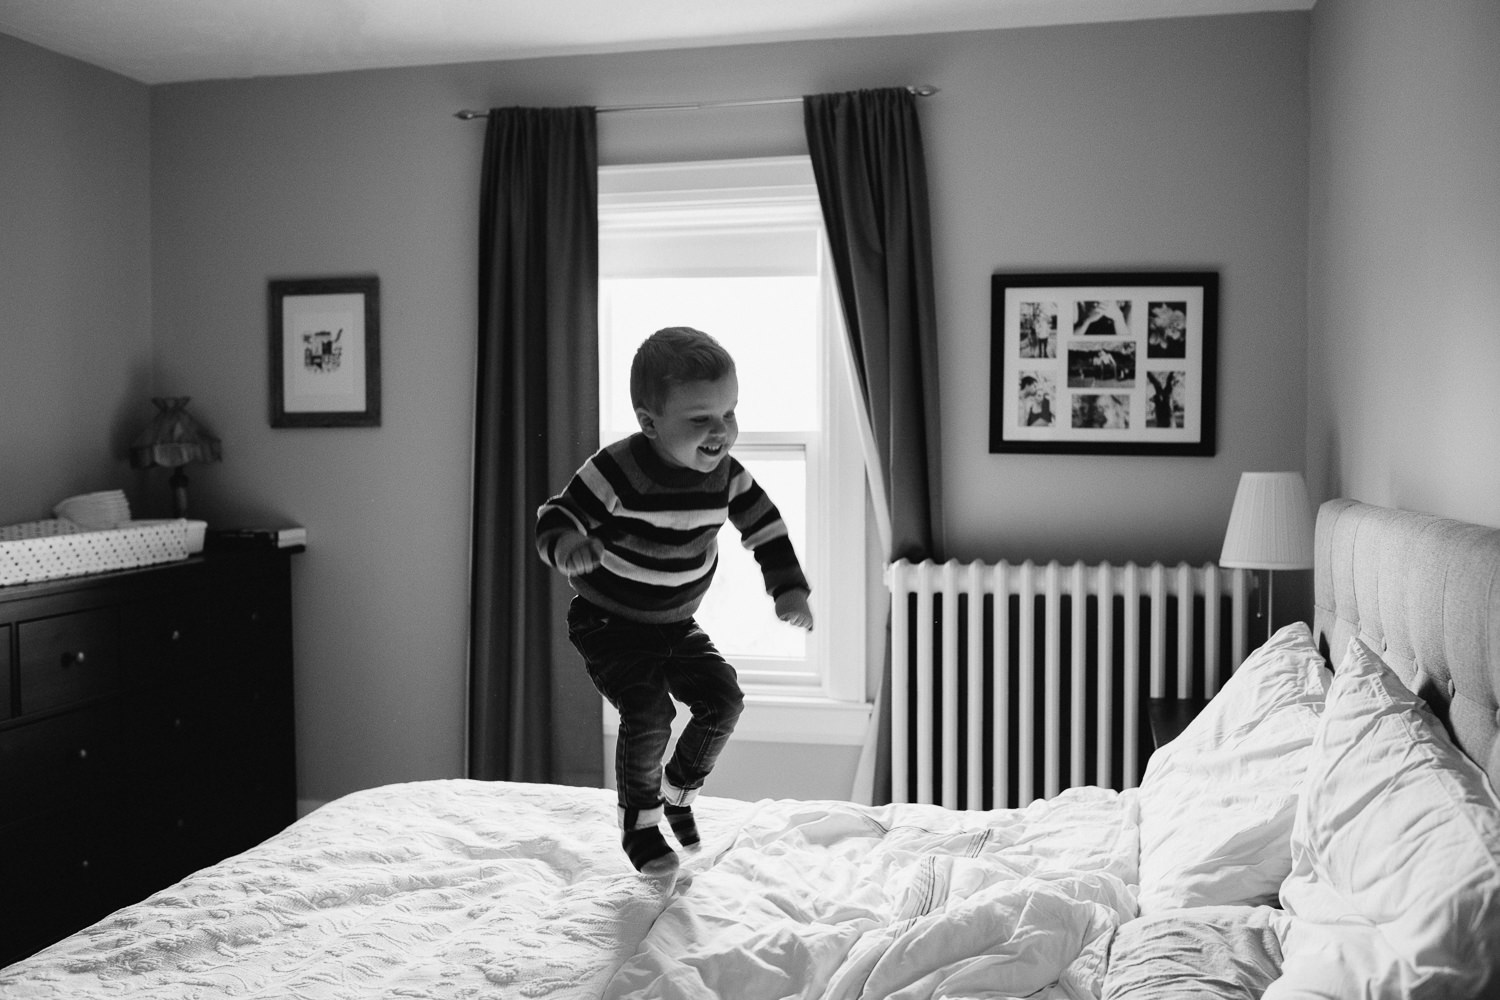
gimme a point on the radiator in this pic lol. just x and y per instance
(1013, 682)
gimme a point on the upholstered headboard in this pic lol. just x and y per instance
(1424, 593)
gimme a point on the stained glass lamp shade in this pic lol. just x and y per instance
(173, 439)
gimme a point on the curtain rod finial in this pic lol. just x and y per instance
(922, 90)
(467, 115)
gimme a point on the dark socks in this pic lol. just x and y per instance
(684, 827)
(647, 848)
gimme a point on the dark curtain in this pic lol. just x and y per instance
(533, 714)
(867, 157)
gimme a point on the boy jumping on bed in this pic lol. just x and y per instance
(635, 531)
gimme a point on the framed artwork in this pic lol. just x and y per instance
(1109, 363)
(325, 352)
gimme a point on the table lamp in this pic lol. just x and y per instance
(1270, 528)
(173, 439)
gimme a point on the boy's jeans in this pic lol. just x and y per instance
(635, 666)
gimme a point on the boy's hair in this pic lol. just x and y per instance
(671, 356)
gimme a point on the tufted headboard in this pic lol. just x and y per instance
(1424, 593)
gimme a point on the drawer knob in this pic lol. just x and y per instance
(83, 753)
(176, 635)
(74, 659)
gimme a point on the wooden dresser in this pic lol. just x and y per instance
(145, 731)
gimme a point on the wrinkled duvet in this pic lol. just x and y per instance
(467, 889)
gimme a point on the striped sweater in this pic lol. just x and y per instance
(660, 526)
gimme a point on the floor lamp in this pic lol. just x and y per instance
(1270, 528)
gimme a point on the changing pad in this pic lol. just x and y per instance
(47, 550)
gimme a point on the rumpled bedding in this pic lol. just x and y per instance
(472, 890)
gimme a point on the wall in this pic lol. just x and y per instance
(1404, 270)
(1150, 144)
(1175, 144)
(336, 175)
(75, 293)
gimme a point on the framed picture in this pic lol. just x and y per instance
(1114, 363)
(325, 352)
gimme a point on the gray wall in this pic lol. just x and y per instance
(1175, 144)
(1157, 144)
(1404, 276)
(75, 278)
(316, 176)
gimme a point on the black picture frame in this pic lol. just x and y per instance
(1104, 363)
(325, 352)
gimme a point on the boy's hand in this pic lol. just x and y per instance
(791, 607)
(579, 554)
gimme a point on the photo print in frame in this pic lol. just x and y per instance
(325, 352)
(1106, 363)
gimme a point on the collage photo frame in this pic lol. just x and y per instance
(1109, 363)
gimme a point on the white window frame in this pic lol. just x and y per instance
(770, 195)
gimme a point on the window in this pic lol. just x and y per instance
(736, 248)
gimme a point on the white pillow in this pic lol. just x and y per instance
(1337, 962)
(1398, 833)
(1217, 803)
(1225, 952)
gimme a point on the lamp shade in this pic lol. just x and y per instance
(173, 438)
(1270, 526)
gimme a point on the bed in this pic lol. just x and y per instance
(1312, 833)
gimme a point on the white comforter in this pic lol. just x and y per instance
(470, 890)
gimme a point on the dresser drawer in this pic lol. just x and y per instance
(64, 760)
(166, 640)
(57, 876)
(69, 658)
(6, 708)
(250, 616)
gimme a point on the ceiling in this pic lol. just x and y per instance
(166, 41)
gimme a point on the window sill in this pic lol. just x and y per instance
(781, 717)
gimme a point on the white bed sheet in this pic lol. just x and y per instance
(472, 890)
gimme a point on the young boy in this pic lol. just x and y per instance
(635, 532)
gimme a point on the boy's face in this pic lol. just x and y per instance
(696, 427)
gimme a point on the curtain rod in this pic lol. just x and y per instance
(917, 90)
